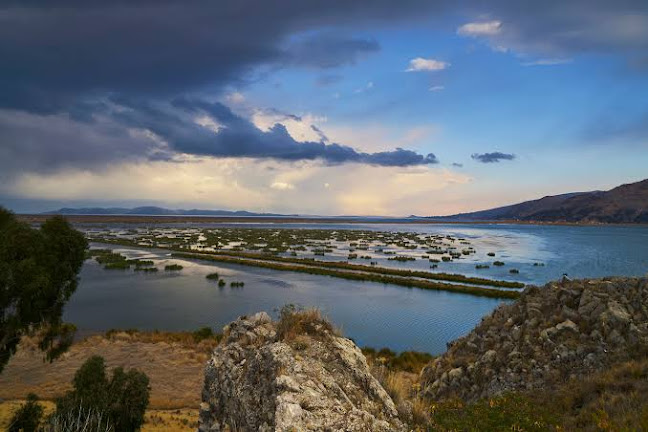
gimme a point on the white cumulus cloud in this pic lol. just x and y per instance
(420, 64)
(282, 186)
(484, 28)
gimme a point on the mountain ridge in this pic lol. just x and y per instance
(627, 203)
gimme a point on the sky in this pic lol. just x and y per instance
(323, 107)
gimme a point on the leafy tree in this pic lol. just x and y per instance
(38, 274)
(28, 417)
(123, 398)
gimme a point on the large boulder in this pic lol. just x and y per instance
(563, 330)
(264, 378)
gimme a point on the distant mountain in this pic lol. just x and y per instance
(624, 204)
(155, 211)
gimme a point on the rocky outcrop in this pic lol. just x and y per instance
(562, 330)
(260, 380)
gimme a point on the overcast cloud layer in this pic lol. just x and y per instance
(87, 84)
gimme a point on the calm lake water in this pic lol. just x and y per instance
(372, 314)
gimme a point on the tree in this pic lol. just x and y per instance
(38, 274)
(122, 399)
(28, 416)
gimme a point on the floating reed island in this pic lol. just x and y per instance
(386, 257)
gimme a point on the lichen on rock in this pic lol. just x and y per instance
(563, 330)
(262, 379)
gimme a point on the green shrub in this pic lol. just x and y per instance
(173, 267)
(122, 399)
(203, 333)
(27, 418)
(212, 276)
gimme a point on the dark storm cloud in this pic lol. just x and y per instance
(52, 55)
(557, 28)
(70, 58)
(492, 157)
(329, 50)
(320, 133)
(239, 137)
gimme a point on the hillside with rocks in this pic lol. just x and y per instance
(552, 334)
(296, 374)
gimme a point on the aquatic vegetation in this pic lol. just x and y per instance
(498, 263)
(491, 254)
(538, 264)
(446, 259)
(142, 263)
(146, 269)
(366, 275)
(212, 276)
(514, 271)
(221, 283)
(401, 258)
(482, 266)
(117, 265)
(237, 284)
(173, 267)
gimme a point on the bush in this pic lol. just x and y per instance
(294, 322)
(122, 400)
(203, 333)
(212, 276)
(173, 267)
(27, 417)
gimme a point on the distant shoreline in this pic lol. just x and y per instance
(156, 219)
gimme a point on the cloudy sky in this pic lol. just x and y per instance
(329, 107)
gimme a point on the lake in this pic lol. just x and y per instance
(372, 314)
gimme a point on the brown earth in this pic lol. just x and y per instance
(175, 368)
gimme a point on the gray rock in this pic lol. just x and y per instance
(550, 334)
(321, 382)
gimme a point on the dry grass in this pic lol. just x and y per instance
(174, 363)
(156, 420)
(294, 323)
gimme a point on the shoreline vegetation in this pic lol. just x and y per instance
(354, 275)
(406, 278)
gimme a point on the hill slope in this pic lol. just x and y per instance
(154, 211)
(624, 204)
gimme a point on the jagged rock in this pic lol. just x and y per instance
(550, 334)
(319, 381)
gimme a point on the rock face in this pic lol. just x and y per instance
(552, 333)
(255, 381)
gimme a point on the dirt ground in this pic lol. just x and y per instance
(175, 369)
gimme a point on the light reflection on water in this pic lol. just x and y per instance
(372, 314)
